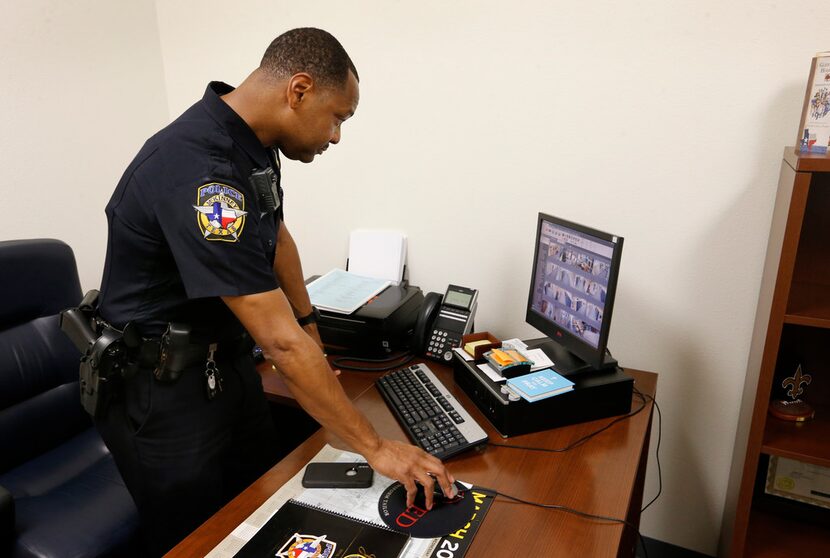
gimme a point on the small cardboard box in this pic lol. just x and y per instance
(479, 350)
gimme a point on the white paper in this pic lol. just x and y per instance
(377, 253)
(491, 372)
(796, 480)
(514, 343)
(539, 358)
(463, 354)
(343, 291)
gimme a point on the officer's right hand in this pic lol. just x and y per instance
(408, 464)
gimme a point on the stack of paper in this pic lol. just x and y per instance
(377, 253)
(343, 292)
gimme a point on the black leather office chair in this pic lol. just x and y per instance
(60, 492)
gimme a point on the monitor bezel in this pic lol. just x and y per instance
(595, 357)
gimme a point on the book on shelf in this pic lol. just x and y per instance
(344, 292)
(298, 529)
(814, 128)
(540, 385)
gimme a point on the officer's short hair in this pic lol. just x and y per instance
(313, 51)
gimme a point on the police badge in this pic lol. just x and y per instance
(220, 212)
(307, 546)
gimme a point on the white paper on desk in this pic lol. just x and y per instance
(377, 253)
(539, 358)
(463, 354)
(359, 503)
(491, 373)
(514, 343)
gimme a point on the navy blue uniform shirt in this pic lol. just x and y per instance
(185, 226)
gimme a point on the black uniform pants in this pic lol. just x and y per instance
(183, 456)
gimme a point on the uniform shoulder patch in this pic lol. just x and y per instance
(220, 212)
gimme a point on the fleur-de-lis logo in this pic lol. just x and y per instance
(795, 381)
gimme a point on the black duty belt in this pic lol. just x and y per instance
(171, 354)
(192, 354)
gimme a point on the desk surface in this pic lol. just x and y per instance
(354, 384)
(603, 477)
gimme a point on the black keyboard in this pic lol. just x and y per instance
(428, 413)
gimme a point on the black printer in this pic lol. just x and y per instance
(381, 326)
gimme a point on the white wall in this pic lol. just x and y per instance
(662, 122)
(82, 88)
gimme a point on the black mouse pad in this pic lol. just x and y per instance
(443, 519)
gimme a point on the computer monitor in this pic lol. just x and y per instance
(572, 289)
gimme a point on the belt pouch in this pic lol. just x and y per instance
(176, 353)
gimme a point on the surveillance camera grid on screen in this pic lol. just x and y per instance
(572, 281)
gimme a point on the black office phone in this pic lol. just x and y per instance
(443, 320)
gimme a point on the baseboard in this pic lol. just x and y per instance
(660, 549)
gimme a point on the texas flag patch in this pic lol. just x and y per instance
(220, 212)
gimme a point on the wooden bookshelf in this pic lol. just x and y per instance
(809, 305)
(808, 441)
(792, 327)
(771, 536)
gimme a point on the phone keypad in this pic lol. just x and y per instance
(440, 344)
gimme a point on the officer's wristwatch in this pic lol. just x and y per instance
(310, 318)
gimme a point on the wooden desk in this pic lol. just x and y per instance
(354, 383)
(604, 476)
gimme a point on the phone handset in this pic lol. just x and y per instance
(443, 320)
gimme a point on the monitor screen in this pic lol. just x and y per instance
(572, 286)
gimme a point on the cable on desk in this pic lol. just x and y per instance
(656, 451)
(576, 512)
(387, 363)
(585, 438)
(644, 398)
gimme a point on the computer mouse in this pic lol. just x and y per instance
(438, 496)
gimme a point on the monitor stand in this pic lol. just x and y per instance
(565, 362)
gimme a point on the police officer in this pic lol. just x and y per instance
(198, 254)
